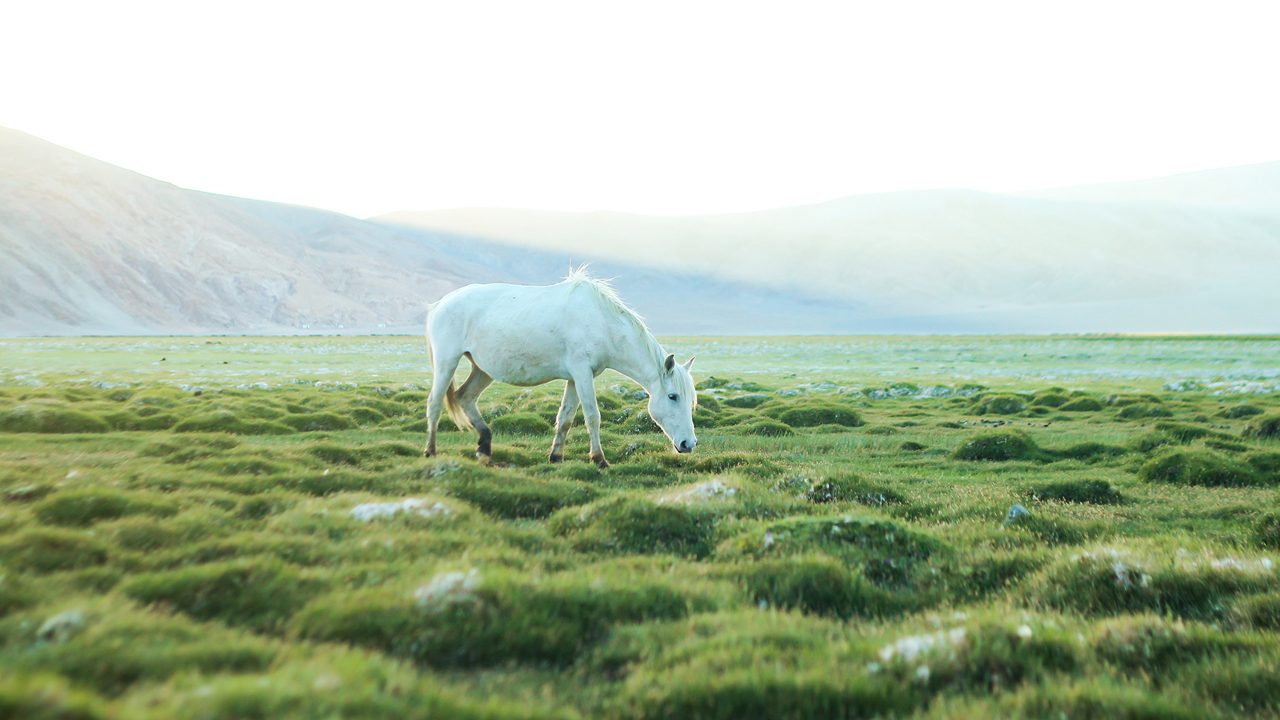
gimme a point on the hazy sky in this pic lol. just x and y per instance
(648, 106)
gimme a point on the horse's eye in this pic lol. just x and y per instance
(673, 397)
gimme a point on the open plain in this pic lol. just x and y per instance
(238, 527)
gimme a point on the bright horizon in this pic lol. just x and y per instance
(659, 108)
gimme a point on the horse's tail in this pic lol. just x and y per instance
(456, 413)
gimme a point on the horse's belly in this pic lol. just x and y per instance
(519, 368)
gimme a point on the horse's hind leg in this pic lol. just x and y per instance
(568, 406)
(441, 378)
(468, 394)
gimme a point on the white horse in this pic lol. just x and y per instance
(526, 335)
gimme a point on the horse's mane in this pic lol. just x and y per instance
(606, 292)
(609, 298)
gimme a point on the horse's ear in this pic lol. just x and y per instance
(688, 364)
(670, 364)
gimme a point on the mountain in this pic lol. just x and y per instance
(1193, 253)
(87, 247)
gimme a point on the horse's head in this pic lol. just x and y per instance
(672, 401)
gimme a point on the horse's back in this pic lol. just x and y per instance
(519, 334)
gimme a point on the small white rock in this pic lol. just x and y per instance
(61, 627)
(415, 506)
(447, 589)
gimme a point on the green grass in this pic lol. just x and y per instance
(177, 538)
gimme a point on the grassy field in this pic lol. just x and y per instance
(929, 527)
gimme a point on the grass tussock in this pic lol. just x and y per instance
(999, 405)
(1197, 467)
(257, 593)
(1266, 427)
(50, 418)
(633, 525)
(998, 446)
(1092, 492)
(81, 508)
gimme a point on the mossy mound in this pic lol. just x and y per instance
(190, 447)
(1245, 685)
(1110, 582)
(142, 534)
(1267, 532)
(744, 665)
(251, 465)
(1087, 452)
(124, 420)
(1139, 411)
(981, 656)
(998, 445)
(317, 422)
(1050, 399)
(50, 418)
(521, 423)
(333, 454)
(517, 496)
(890, 555)
(228, 422)
(1094, 699)
(478, 618)
(333, 683)
(1151, 645)
(1092, 492)
(1266, 465)
(819, 413)
(1197, 467)
(999, 405)
(851, 488)
(80, 508)
(45, 550)
(1260, 611)
(766, 427)
(1236, 412)
(16, 593)
(633, 525)
(258, 593)
(111, 647)
(817, 584)
(1081, 404)
(48, 697)
(1266, 427)
(1126, 399)
(750, 401)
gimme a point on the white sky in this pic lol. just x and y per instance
(669, 107)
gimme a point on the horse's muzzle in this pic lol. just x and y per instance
(686, 447)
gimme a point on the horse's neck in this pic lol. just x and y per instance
(639, 357)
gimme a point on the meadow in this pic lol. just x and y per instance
(927, 527)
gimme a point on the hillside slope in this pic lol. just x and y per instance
(87, 247)
(978, 261)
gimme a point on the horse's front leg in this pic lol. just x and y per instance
(568, 406)
(591, 414)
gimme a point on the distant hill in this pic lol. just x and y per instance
(1247, 188)
(1194, 253)
(87, 247)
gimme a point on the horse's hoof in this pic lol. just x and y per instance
(484, 459)
(428, 453)
(600, 462)
(556, 457)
